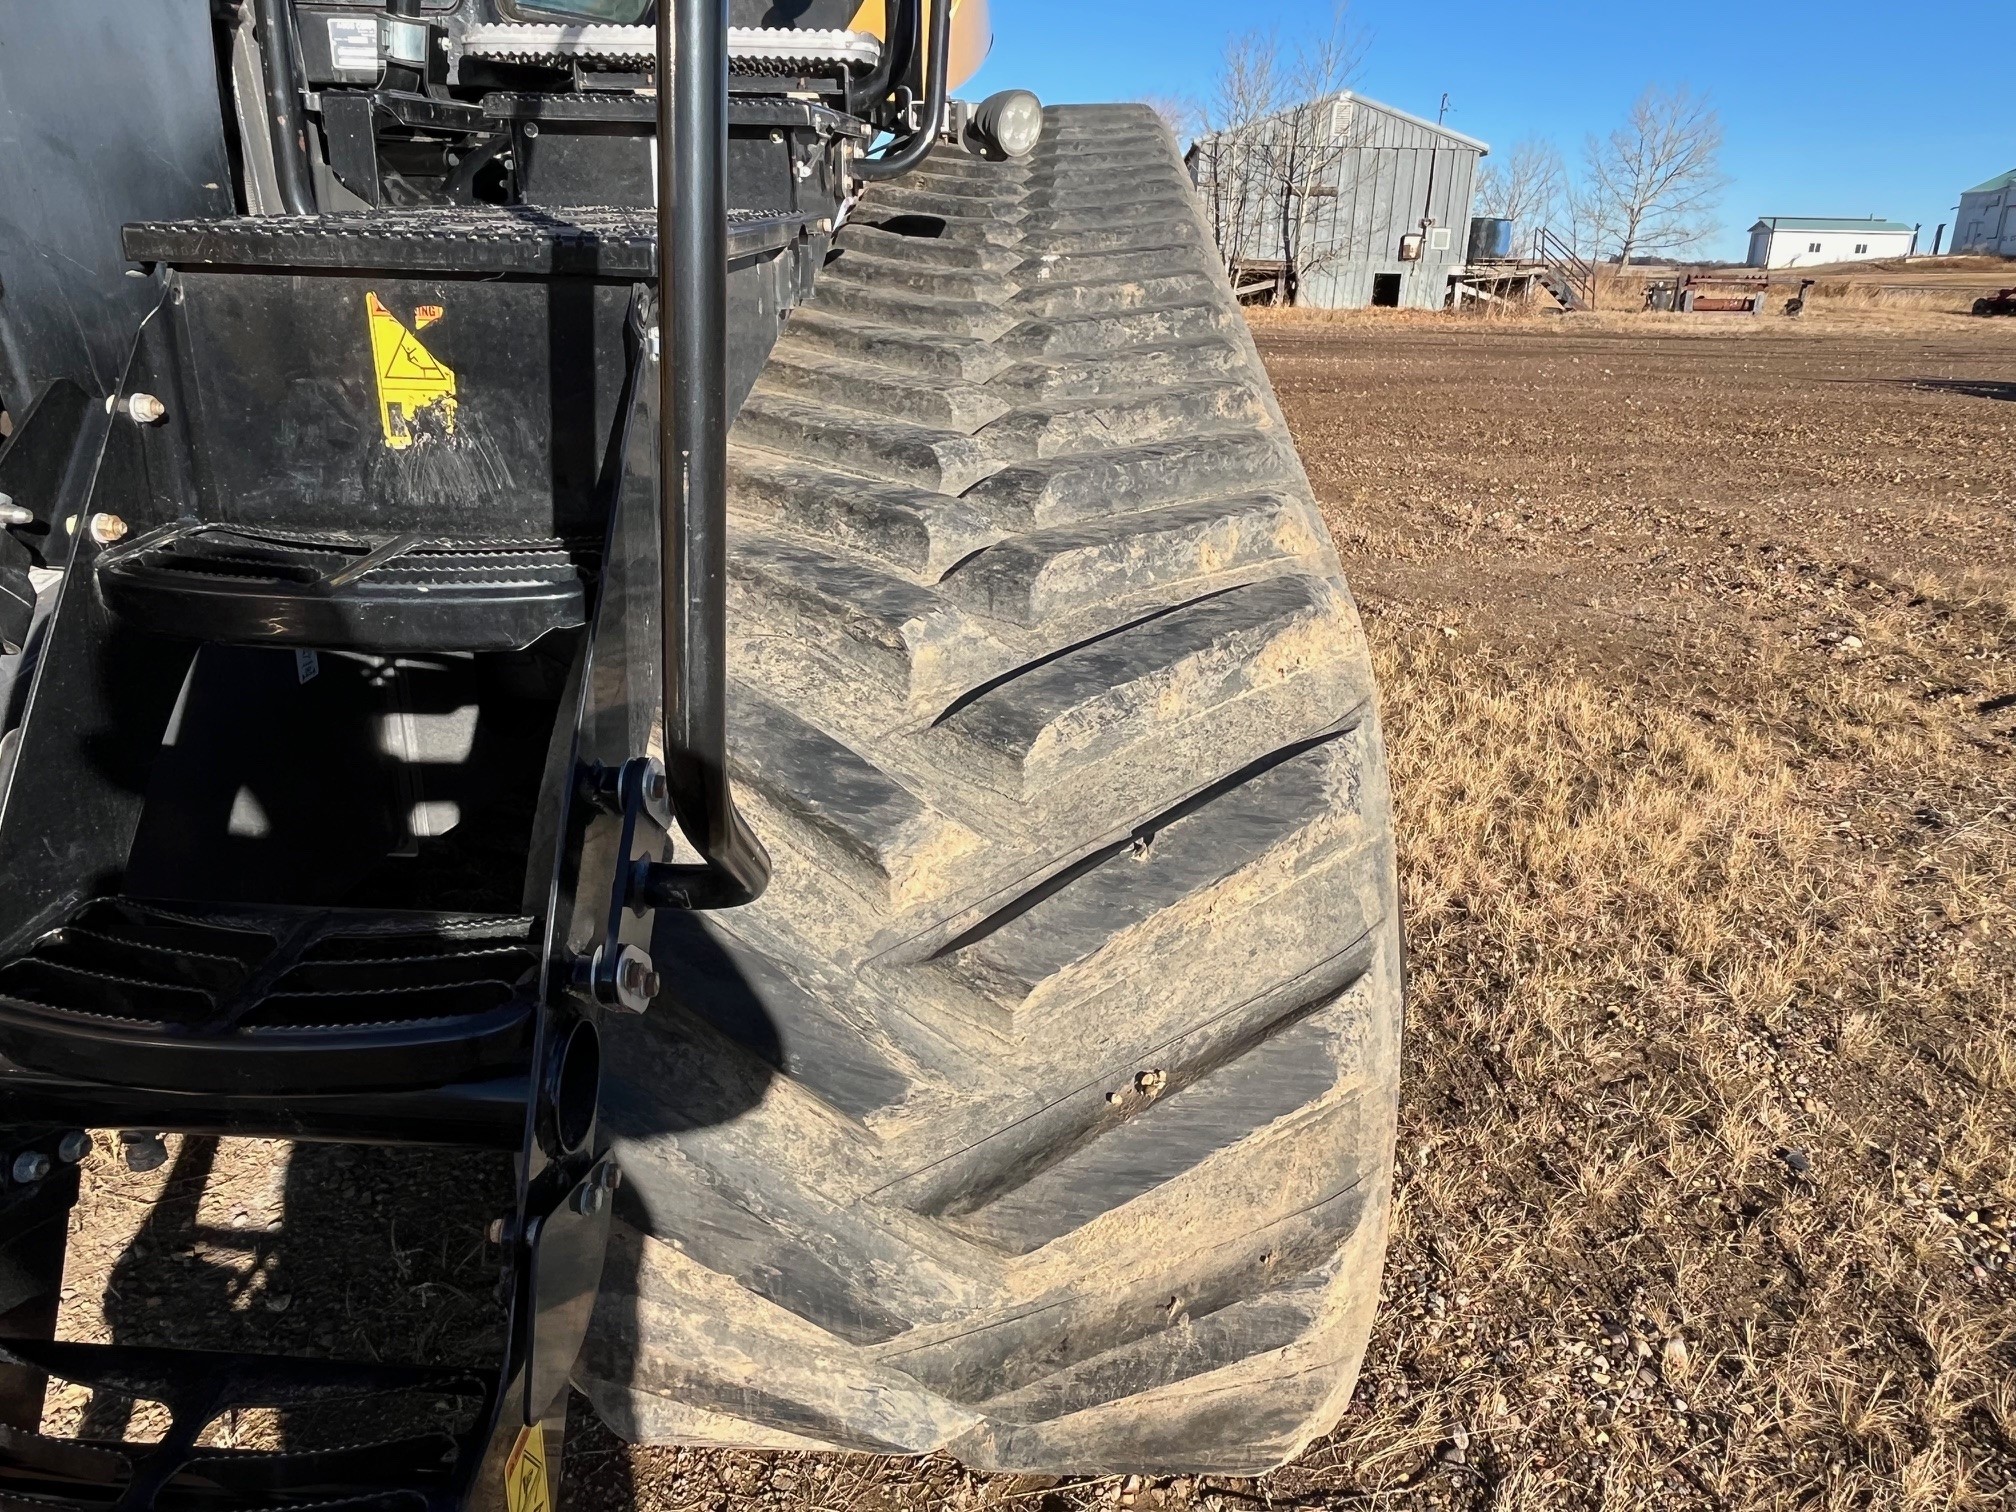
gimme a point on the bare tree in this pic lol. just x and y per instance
(1180, 113)
(1652, 185)
(1529, 187)
(1275, 130)
(1229, 165)
(1316, 133)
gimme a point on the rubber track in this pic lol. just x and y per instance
(1043, 1109)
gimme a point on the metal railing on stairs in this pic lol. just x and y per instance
(1574, 278)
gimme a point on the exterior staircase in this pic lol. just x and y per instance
(1569, 278)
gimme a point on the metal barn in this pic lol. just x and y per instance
(1343, 203)
(1987, 222)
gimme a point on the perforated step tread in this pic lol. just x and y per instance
(199, 998)
(239, 585)
(598, 241)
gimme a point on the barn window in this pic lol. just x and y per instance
(1812, 246)
(1861, 247)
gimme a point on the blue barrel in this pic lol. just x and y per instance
(1490, 238)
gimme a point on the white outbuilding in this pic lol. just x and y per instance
(1809, 241)
(1987, 220)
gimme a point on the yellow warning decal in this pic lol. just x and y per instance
(416, 392)
(525, 1485)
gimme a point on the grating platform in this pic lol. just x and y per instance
(209, 998)
(751, 49)
(241, 586)
(596, 241)
(415, 1433)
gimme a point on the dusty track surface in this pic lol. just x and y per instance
(1699, 653)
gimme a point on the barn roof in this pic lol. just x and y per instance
(1435, 126)
(1352, 97)
(1829, 223)
(2000, 181)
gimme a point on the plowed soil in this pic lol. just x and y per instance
(1698, 644)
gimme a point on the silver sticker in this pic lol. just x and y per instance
(353, 43)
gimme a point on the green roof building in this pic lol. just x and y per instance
(1987, 220)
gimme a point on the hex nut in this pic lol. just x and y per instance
(143, 409)
(73, 1147)
(30, 1166)
(107, 528)
(144, 1152)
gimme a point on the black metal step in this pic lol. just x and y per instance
(190, 997)
(594, 241)
(386, 1438)
(246, 586)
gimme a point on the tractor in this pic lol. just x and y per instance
(636, 624)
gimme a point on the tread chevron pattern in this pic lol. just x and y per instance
(1043, 1109)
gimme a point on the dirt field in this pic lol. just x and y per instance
(1699, 648)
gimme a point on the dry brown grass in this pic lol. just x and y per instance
(1899, 301)
(1870, 312)
(1702, 1069)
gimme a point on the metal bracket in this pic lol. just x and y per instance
(619, 974)
(568, 1246)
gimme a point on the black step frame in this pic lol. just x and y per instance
(64, 828)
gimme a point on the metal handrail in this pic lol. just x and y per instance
(693, 462)
(902, 159)
(1581, 274)
(899, 48)
(292, 173)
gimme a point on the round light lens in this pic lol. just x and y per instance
(1011, 121)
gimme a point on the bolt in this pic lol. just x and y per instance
(30, 1166)
(499, 1231)
(611, 1175)
(657, 789)
(636, 980)
(143, 409)
(589, 1199)
(73, 1147)
(12, 513)
(531, 128)
(107, 528)
(144, 1152)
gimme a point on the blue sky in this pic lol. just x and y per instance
(1850, 108)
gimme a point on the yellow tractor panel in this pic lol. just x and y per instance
(972, 35)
